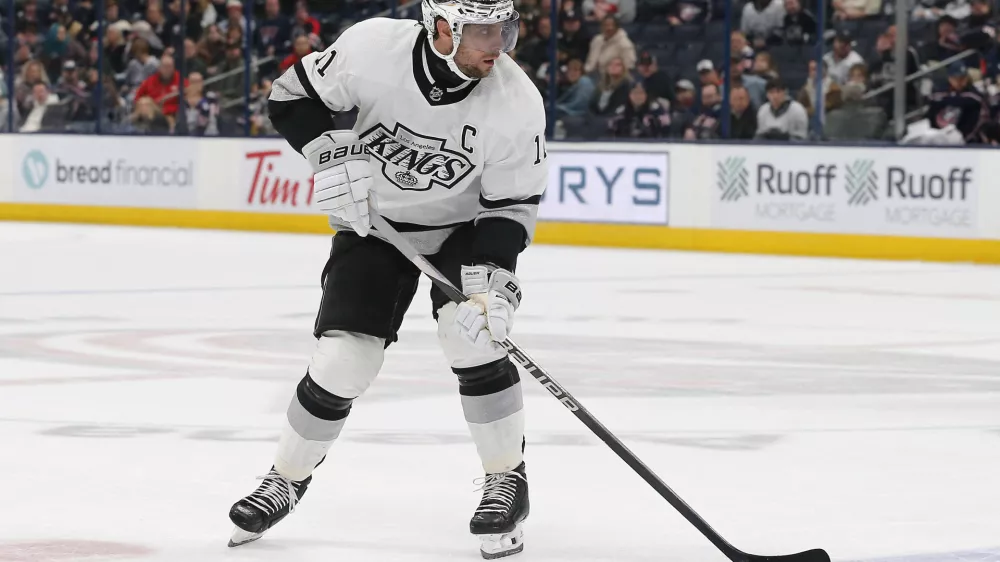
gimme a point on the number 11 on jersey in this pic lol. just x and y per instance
(540, 153)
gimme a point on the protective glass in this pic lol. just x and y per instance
(491, 37)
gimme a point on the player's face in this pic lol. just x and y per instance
(482, 44)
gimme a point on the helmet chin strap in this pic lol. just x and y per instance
(449, 59)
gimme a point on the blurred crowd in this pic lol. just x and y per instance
(158, 66)
(656, 68)
(625, 68)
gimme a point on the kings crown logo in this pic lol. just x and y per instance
(415, 162)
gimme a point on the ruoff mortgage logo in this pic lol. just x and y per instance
(809, 187)
(732, 179)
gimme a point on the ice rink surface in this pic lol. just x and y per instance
(795, 403)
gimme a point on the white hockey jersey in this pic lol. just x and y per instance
(441, 156)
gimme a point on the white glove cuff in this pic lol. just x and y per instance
(475, 279)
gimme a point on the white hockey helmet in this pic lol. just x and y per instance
(485, 25)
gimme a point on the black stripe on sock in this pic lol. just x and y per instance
(487, 379)
(321, 403)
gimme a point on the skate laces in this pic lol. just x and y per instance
(274, 493)
(498, 491)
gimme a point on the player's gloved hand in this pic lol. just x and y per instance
(494, 294)
(342, 178)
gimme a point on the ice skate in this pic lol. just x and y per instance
(497, 521)
(269, 503)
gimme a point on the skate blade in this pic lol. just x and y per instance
(241, 537)
(502, 545)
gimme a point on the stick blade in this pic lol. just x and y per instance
(814, 555)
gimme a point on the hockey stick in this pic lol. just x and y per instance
(573, 405)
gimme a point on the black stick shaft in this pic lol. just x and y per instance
(567, 399)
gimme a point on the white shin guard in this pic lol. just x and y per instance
(499, 442)
(343, 365)
(496, 421)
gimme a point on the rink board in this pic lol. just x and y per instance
(936, 204)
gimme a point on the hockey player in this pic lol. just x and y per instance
(449, 148)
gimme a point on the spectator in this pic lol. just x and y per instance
(640, 117)
(530, 10)
(754, 85)
(569, 10)
(38, 107)
(706, 125)
(882, 69)
(613, 89)
(612, 43)
(158, 24)
(75, 95)
(655, 81)
(147, 118)
(843, 56)
(854, 120)
(112, 107)
(859, 76)
(576, 98)
(201, 111)
(689, 12)
(305, 24)
(682, 110)
(142, 30)
(980, 15)
(741, 50)
(192, 59)
(58, 9)
(934, 10)
(800, 25)
(574, 41)
(163, 87)
(260, 123)
(56, 49)
(112, 12)
(234, 18)
(782, 118)
(5, 105)
(807, 96)
(762, 20)
(26, 17)
(855, 9)
(302, 48)
(114, 50)
(763, 66)
(743, 124)
(234, 36)
(707, 73)
(32, 73)
(981, 27)
(274, 32)
(232, 85)
(142, 66)
(69, 81)
(947, 45)
(536, 51)
(86, 15)
(200, 14)
(597, 10)
(212, 50)
(960, 105)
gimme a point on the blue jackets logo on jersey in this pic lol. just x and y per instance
(415, 162)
